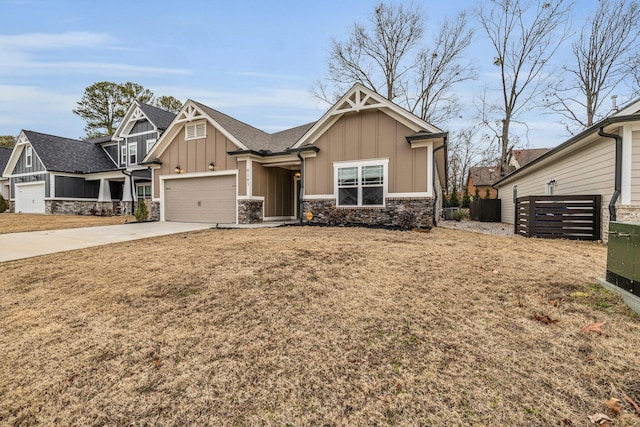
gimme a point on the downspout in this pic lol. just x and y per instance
(618, 168)
(301, 190)
(433, 180)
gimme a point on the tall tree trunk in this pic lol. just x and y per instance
(505, 146)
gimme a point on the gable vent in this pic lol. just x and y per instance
(195, 131)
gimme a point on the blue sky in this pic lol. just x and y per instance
(254, 60)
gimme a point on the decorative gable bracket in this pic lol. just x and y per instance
(359, 100)
(189, 114)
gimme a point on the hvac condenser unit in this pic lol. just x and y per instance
(623, 262)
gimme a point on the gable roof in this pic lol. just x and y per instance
(59, 154)
(484, 175)
(522, 157)
(251, 139)
(360, 98)
(608, 121)
(5, 154)
(159, 117)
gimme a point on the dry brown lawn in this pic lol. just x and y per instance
(16, 223)
(315, 326)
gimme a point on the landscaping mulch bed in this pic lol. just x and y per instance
(316, 326)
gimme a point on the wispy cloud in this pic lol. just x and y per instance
(34, 108)
(21, 56)
(38, 41)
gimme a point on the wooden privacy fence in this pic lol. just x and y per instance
(559, 217)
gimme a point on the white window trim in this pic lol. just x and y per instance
(123, 155)
(146, 184)
(150, 144)
(135, 146)
(195, 125)
(28, 156)
(359, 164)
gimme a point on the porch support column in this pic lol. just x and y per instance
(104, 194)
(126, 190)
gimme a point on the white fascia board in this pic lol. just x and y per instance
(393, 110)
(177, 125)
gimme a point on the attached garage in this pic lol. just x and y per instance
(209, 199)
(30, 197)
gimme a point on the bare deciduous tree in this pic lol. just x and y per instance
(525, 34)
(468, 148)
(438, 69)
(387, 57)
(600, 63)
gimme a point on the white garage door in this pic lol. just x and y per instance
(202, 199)
(30, 198)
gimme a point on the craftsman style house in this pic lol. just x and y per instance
(51, 174)
(365, 160)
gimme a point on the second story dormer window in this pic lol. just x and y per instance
(133, 153)
(150, 144)
(123, 155)
(28, 157)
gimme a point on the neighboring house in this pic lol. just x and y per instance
(483, 179)
(519, 158)
(587, 164)
(5, 187)
(135, 136)
(366, 158)
(52, 174)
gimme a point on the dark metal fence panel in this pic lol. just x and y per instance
(485, 210)
(559, 217)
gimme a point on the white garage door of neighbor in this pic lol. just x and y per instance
(202, 199)
(30, 198)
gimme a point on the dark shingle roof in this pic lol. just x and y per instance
(99, 139)
(159, 117)
(69, 155)
(254, 138)
(5, 153)
(484, 175)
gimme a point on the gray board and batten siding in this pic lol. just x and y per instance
(143, 131)
(36, 166)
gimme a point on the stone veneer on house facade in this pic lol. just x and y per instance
(624, 213)
(325, 212)
(250, 211)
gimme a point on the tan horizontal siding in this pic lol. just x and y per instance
(588, 170)
(635, 169)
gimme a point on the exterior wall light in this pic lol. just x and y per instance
(297, 174)
(178, 169)
(212, 165)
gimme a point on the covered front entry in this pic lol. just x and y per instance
(201, 199)
(30, 197)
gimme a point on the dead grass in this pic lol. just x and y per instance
(315, 326)
(17, 223)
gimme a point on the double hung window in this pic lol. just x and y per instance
(133, 153)
(361, 184)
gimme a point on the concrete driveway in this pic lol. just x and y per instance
(25, 245)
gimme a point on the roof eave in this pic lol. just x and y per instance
(568, 143)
